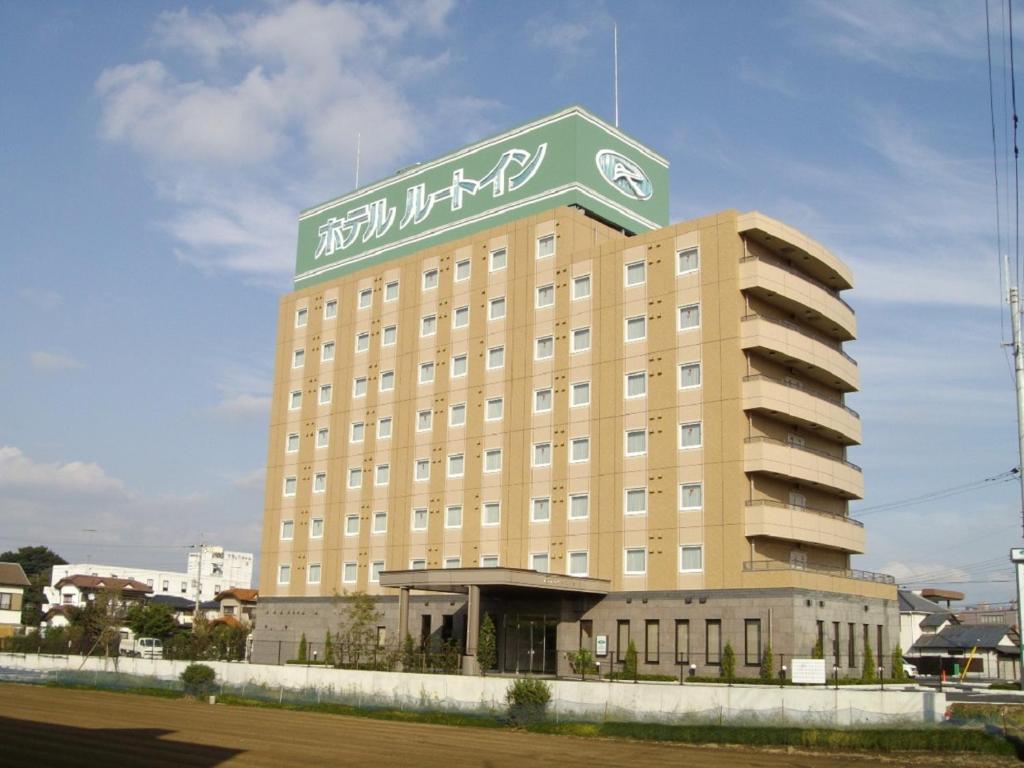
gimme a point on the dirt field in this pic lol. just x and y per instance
(56, 727)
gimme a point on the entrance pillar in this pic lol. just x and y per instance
(403, 613)
(469, 663)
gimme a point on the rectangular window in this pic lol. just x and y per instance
(541, 400)
(389, 336)
(453, 562)
(491, 513)
(581, 340)
(383, 475)
(581, 287)
(636, 384)
(426, 373)
(498, 259)
(652, 645)
(689, 375)
(580, 394)
(687, 260)
(428, 325)
(713, 641)
(325, 393)
(835, 643)
(577, 563)
(851, 645)
(691, 496)
(496, 308)
(424, 421)
(289, 486)
(391, 291)
(579, 506)
(579, 450)
(331, 309)
(316, 528)
(384, 428)
(355, 477)
(284, 574)
(539, 561)
(636, 501)
(492, 460)
(387, 381)
(348, 573)
(313, 573)
(636, 562)
(682, 641)
(545, 246)
(621, 639)
(488, 561)
(359, 386)
(457, 415)
(327, 352)
(352, 525)
(453, 517)
(322, 437)
(380, 522)
(421, 471)
(690, 435)
(417, 565)
(495, 409)
(301, 317)
(689, 317)
(545, 296)
(636, 442)
(691, 558)
(358, 431)
(460, 319)
(545, 348)
(375, 568)
(752, 642)
(540, 511)
(542, 454)
(429, 279)
(287, 530)
(462, 270)
(456, 465)
(298, 358)
(319, 482)
(460, 365)
(636, 273)
(636, 328)
(365, 298)
(496, 357)
(419, 519)
(292, 443)
(295, 400)
(362, 341)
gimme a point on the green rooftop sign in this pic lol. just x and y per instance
(570, 157)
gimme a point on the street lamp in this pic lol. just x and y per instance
(835, 675)
(693, 671)
(782, 676)
(881, 678)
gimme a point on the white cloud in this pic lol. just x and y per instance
(20, 471)
(244, 394)
(243, 406)
(53, 361)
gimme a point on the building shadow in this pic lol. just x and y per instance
(30, 743)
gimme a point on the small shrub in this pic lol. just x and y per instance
(582, 662)
(486, 647)
(817, 652)
(728, 663)
(527, 700)
(303, 649)
(767, 672)
(198, 680)
(868, 671)
(629, 669)
(328, 650)
(897, 664)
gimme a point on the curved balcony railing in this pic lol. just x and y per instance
(797, 273)
(814, 510)
(828, 398)
(815, 451)
(835, 345)
(829, 570)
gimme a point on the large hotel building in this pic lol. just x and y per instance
(505, 384)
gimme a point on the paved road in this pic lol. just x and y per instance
(61, 727)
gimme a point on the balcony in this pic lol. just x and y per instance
(788, 243)
(796, 347)
(800, 295)
(806, 465)
(766, 517)
(813, 409)
(763, 566)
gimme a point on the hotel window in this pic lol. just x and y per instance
(319, 482)
(352, 525)
(491, 513)
(713, 641)
(545, 348)
(496, 308)
(541, 400)
(380, 522)
(496, 358)
(391, 291)
(636, 328)
(375, 568)
(689, 375)
(689, 317)
(689, 435)
(636, 384)
(495, 409)
(429, 279)
(579, 506)
(357, 432)
(424, 421)
(287, 530)
(313, 573)
(577, 563)
(545, 296)
(687, 260)
(384, 428)
(389, 336)
(365, 298)
(462, 270)
(417, 565)
(453, 516)
(298, 358)
(348, 573)
(456, 465)
(460, 364)
(426, 373)
(636, 442)
(295, 400)
(636, 273)
(359, 386)
(539, 561)
(428, 325)
(316, 528)
(581, 340)
(419, 519)
(292, 444)
(636, 561)
(691, 558)
(498, 259)
(542, 454)
(488, 561)
(581, 287)
(284, 574)
(362, 341)
(545, 246)
(457, 415)
(421, 471)
(383, 475)
(580, 394)
(636, 501)
(461, 317)
(579, 450)
(327, 352)
(325, 394)
(301, 317)
(682, 641)
(691, 496)
(387, 381)
(752, 643)
(355, 477)
(453, 562)
(289, 486)
(652, 641)
(540, 510)
(492, 460)
(331, 309)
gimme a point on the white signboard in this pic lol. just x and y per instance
(601, 645)
(808, 671)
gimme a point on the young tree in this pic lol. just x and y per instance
(411, 660)
(897, 663)
(360, 627)
(629, 671)
(728, 663)
(152, 620)
(328, 649)
(302, 649)
(486, 646)
(767, 663)
(868, 670)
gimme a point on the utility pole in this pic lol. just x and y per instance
(199, 584)
(1017, 554)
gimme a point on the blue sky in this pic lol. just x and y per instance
(154, 157)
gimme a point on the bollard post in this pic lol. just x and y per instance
(881, 679)
(782, 676)
(835, 675)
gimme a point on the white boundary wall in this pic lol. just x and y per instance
(571, 699)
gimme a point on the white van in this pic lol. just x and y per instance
(150, 647)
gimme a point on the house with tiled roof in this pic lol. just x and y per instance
(238, 603)
(12, 591)
(78, 590)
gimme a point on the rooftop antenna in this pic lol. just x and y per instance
(359, 146)
(615, 46)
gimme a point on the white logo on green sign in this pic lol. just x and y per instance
(625, 175)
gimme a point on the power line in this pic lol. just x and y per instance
(995, 171)
(1016, 149)
(940, 494)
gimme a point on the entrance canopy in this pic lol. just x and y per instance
(510, 579)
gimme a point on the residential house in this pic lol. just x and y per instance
(12, 591)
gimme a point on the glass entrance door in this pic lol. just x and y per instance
(529, 645)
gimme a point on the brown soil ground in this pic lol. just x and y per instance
(59, 727)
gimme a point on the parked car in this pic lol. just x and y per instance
(909, 670)
(150, 648)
